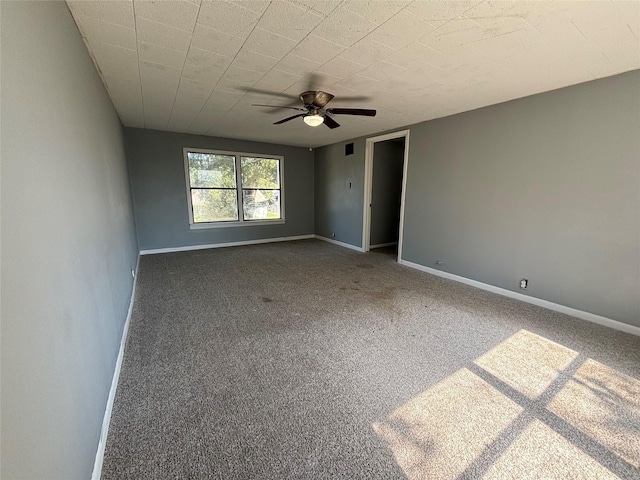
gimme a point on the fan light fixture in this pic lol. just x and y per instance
(314, 111)
(313, 120)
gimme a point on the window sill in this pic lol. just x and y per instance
(246, 223)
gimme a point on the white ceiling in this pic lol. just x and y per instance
(197, 66)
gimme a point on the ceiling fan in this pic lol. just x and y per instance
(314, 111)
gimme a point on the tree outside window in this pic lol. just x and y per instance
(229, 187)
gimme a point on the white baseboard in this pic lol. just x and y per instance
(336, 242)
(591, 317)
(97, 465)
(381, 245)
(222, 245)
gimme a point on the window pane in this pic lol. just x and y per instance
(212, 170)
(261, 204)
(211, 205)
(260, 172)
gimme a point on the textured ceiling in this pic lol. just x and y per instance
(197, 66)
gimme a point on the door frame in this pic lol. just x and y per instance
(368, 186)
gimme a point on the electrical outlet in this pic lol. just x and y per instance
(333, 235)
(439, 262)
(133, 274)
(524, 283)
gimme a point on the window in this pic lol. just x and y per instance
(231, 188)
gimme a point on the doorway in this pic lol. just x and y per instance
(386, 158)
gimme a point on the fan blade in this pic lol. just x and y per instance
(289, 118)
(277, 106)
(355, 98)
(352, 111)
(317, 99)
(270, 93)
(330, 122)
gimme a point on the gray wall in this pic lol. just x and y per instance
(386, 190)
(156, 166)
(339, 187)
(546, 187)
(68, 245)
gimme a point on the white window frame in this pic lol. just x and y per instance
(241, 222)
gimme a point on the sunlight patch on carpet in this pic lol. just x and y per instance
(604, 404)
(540, 453)
(445, 428)
(527, 362)
(498, 422)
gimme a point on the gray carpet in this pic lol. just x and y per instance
(307, 360)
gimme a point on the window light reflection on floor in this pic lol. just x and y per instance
(527, 362)
(604, 404)
(488, 420)
(539, 452)
(445, 428)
